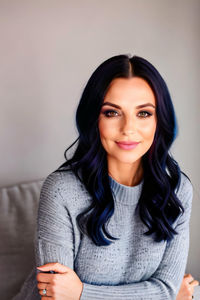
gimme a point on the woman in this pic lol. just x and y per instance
(113, 220)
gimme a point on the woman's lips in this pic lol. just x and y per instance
(127, 145)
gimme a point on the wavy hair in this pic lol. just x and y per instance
(158, 205)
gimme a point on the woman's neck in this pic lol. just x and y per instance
(127, 175)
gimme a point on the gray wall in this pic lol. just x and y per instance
(50, 48)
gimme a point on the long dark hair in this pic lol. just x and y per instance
(158, 205)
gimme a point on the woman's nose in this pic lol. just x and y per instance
(129, 125)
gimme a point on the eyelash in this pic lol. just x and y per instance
(106, 112)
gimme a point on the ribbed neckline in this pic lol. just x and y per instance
(128, 195)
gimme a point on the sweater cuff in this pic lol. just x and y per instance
(88, 292)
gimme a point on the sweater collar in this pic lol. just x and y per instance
(128, 195)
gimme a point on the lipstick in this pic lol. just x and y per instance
(127, 145)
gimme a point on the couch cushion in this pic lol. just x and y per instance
(18, 211)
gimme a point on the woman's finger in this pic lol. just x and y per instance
(42, 286)
(194, 283)
(45, 277)
(56, 267)
(188, 278)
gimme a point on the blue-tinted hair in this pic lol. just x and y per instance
(158, 206)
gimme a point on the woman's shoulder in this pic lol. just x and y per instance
(61, 178)
(185, 189)
(64, 186)
(185, 195)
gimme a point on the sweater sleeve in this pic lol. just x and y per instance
(55, 235)
(166, 281)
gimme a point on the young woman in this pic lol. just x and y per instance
(113, 220)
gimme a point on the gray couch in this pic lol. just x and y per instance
(18, 211)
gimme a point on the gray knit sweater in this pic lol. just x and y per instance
(131, 268)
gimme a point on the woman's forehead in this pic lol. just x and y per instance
(130, 89)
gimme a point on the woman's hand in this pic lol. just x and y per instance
(187, 288)
(65, 285)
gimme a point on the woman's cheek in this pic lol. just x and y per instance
(107, 128)
(148, 129)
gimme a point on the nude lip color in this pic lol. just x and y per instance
(126, 146)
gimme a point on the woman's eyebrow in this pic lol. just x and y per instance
(139, 106)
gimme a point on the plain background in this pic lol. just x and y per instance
(48, 51)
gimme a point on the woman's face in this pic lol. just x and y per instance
(128, 114)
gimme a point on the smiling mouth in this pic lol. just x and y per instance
(127, 142)
(127, 145)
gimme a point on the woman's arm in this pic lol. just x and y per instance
(164, 284)
(54, 239)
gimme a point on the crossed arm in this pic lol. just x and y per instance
(163, 284)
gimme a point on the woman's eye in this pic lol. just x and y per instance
(144, 114)
(110, 113)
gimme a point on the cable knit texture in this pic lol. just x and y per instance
(131, 268)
